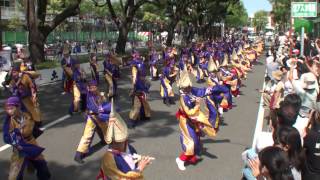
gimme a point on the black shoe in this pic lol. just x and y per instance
(146, 119)
(166, 101)
(171, 101)
(131, 124)
(36, 132)
(102, 143)
(79, 157)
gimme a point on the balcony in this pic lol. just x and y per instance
(10, 12)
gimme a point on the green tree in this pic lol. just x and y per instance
(15, 23)
(175, 10)
(260, 20)
(205, 13)
(123, 13)
(237, 15)
(281, 12)
(39, 27)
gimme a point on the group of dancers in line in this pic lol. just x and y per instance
(223, 64)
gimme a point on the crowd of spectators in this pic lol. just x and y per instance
(290, 149)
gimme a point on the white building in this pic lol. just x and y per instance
(10, 9)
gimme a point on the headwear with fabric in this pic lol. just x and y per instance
(13, 101)
(212, 67)
(117, 128)
(225, 60)
(277, 75)
(93, 83)
(234, 55)
(202, 54)
(239, 51)
(184, 80)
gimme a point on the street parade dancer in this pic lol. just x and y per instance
(192, 123)
(97, 118)
(67, 64)
(226, 78)
(121, 160)
(94, 67)
(140, 88)
(185, 60)
(153, 59)
(167, 79)
(78, 89)
(18, 132)
(23, 86)
(213, 94)
(201, 71)
(111, 74)
(221, 95)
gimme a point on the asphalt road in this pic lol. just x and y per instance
(158, 138)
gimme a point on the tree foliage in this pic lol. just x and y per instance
(281, 12)
(260, 20)
(15, 23)
(40, 24)
(237, 15)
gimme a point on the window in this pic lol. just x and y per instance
(4, 3)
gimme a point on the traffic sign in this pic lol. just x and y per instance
(304, 9)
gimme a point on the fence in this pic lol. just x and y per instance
(22, 37)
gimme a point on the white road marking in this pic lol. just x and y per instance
(55, 122)
(4, 147)
(260, 118)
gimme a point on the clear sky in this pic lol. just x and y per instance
(255, 5)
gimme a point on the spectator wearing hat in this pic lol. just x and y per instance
(18, 132)
(307, 88)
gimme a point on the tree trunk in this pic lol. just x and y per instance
(122, 39)
(36, 46)
(171, 28)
